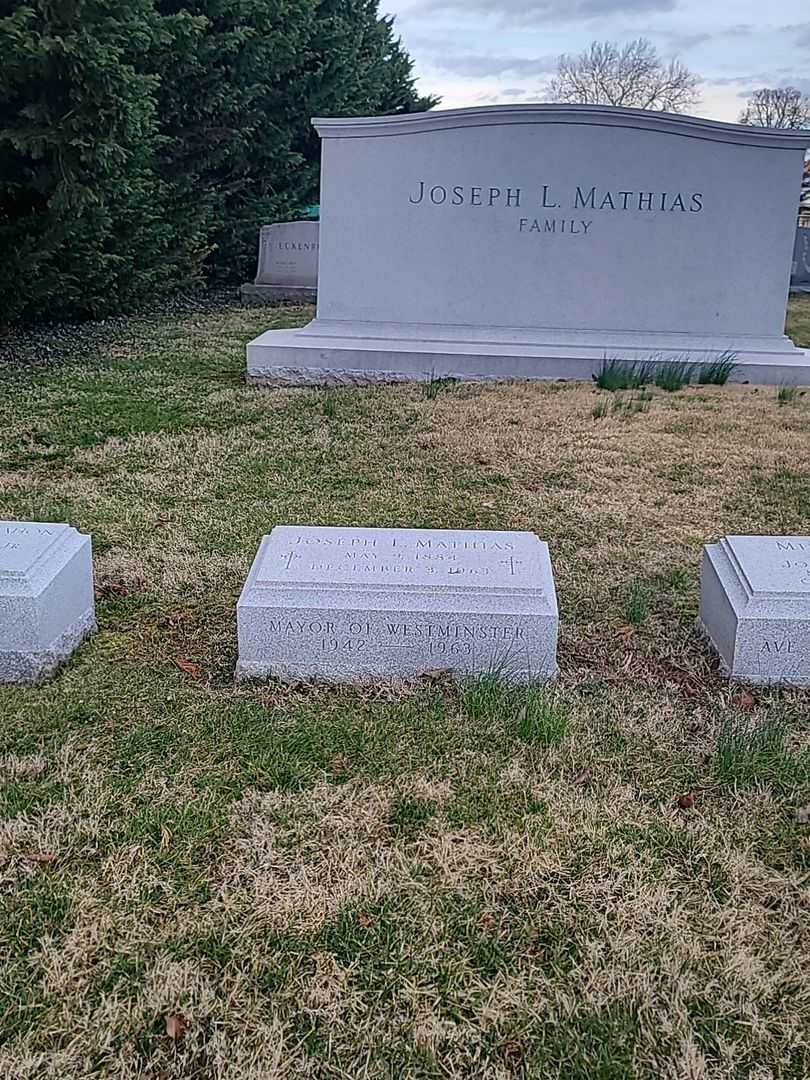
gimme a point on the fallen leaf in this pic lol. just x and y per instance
(175, 1026)
(194, 670)
(165, 837)
(803, 815)
(745, 700)
(340, 764)
(365, 920)
(42, 857)
(583, 778)
(686, 802)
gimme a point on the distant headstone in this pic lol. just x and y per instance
(46, 597)
(348, 605)
(288, 264)
(800, 269)
(755, 607)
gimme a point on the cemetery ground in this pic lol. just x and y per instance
(603, 880)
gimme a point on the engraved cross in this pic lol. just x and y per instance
(512, 562)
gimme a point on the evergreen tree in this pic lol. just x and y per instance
(80, 226)
(236, 96)
(227, 106)
(143, 142)
(355, 66)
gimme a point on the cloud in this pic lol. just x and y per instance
(682, 42)
(481, 66)
(545, 11)
(803, 35)
(802, 85)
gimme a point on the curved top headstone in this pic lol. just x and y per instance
(515, 241)
(695, 127)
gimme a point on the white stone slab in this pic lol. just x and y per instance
(288, 254)
(348, 605)
(755, 607)
(531, 241)
(46, 597)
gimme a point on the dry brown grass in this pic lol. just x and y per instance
(370, 885)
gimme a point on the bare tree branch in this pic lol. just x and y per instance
(633, 75)
(782, 107)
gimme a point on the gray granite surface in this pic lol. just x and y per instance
(755, 607)
(352, 604)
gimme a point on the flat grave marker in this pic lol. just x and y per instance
(351, 604)
(755, 607)
(46, 597)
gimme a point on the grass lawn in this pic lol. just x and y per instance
(199, 880)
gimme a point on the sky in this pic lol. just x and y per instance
(488, 52)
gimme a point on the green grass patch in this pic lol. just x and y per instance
(717, 372)
(408, 814)
(533, 711)
(788, 395)
(673, 375)
(754, 750)
(616, 374)
(435, 384)
(542, 717)
(637, 604)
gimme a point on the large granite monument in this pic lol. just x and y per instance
(755, 607)
(353, 604)
(46, 597)
(288, 264)
(533, 241)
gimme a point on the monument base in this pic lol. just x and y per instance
(28, 668)
(337, 353)
(278, 294)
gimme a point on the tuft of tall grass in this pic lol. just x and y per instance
(752, 750)
(616, 374)
(717, 372)
(436, 383)
(673, 375)
(637, 604)
(533, 711)
(787, 395)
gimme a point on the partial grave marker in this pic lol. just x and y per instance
(347, 605)
(800, 269)
(755, 607)
(288, 264)
(46, 597)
